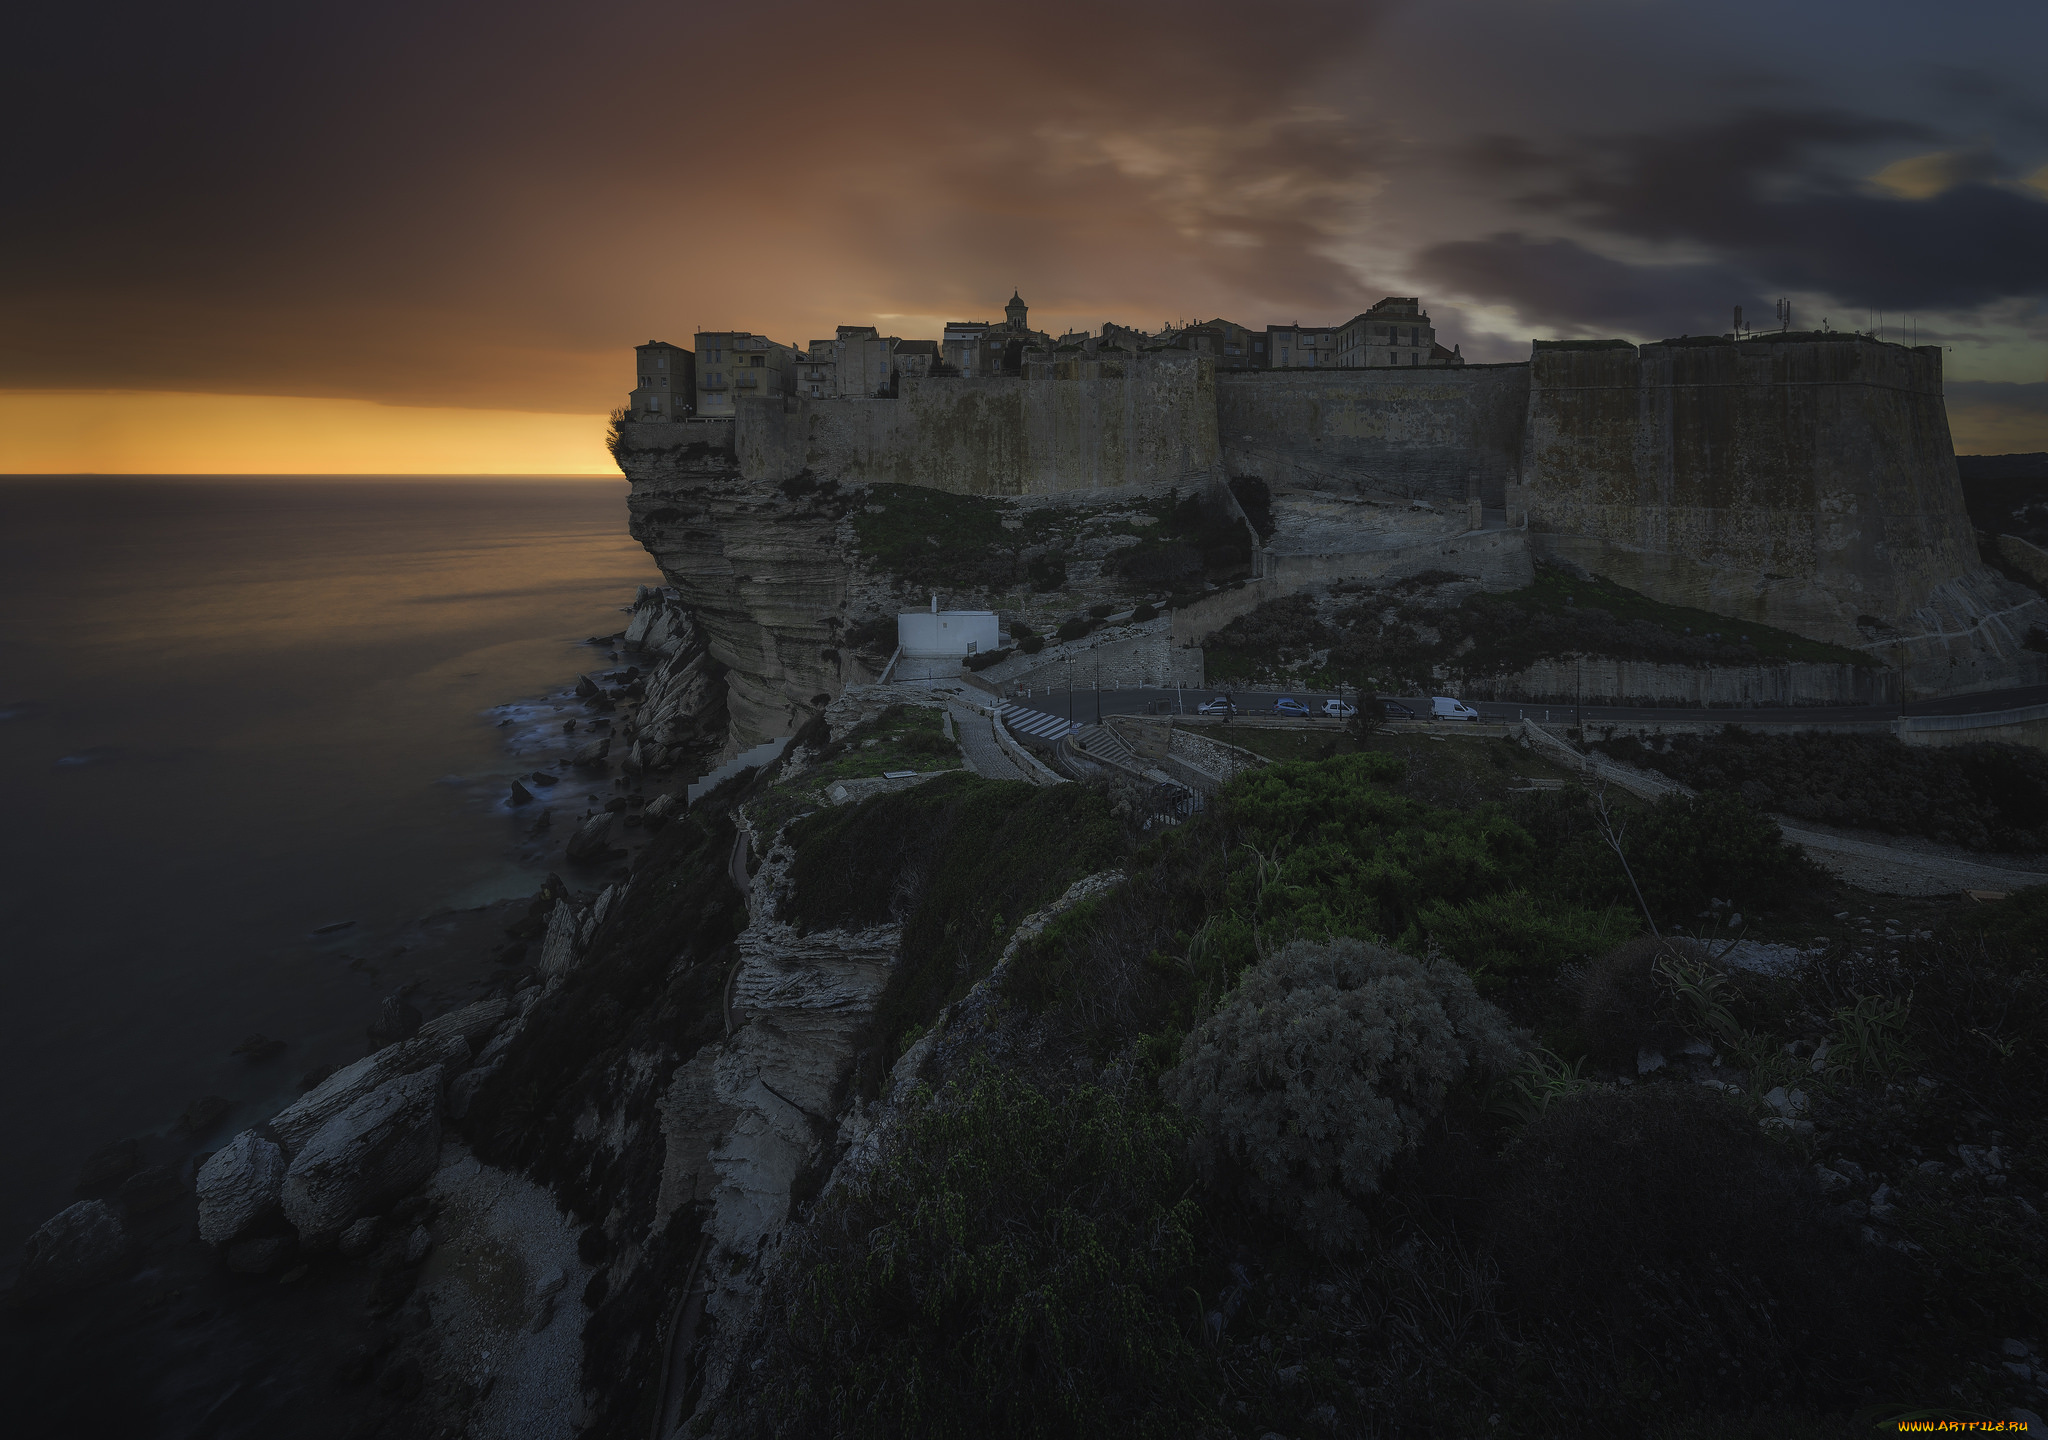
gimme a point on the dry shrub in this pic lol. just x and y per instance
(1660, 1213)
(1622, 1007)
(1326, 1062)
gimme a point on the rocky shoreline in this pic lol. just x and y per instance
(355, 1244)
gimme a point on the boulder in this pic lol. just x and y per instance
(110, 1164)
(238, 1186)
(519, 795)
(257, 1257)
(474, 1023)
(151, 1189)
(591, 756)
(398, 1019)
(201, 1116)
(661, 807)
(376, 1151)
(587, 687)
(297, 1123)
(592, 840)
(463, 1090)
(558, 950)
(360, 1238)
(78, 1246)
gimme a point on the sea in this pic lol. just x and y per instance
(256, 735)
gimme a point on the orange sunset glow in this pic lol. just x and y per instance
(348, 260)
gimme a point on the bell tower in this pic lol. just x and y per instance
(1015, 311)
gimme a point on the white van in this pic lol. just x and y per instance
(1445, 707)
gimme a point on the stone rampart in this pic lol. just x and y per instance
(1131, 656)
(1424, 433)
(1070, 425)
(1806, 484)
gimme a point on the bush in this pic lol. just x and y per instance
(1325, 1063)
(1101, 612)
(1031, 644)
(1143, 613)
(1073, 629)
(1014, 1265)
(1661, 1214)
(1020, 631)
(986, 658)
(1623, 1007)
(1984, 796)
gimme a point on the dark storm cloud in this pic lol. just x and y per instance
(1563, 285)
(483, 204)
(1770, 195)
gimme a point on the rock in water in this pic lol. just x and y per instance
(399, 1019)
(376, 1151)
(474, 1023)
(202, 1115)
(591, 842)
(76, 1247)
(520, 795)
(591, 756)
(238, 1187)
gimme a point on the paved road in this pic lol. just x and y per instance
(1085, 706)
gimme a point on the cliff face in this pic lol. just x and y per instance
(1806, 484)
(765, 575)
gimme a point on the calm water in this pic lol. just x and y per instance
(237, 710)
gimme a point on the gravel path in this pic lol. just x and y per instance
(978, 743)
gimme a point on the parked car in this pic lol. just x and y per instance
(1446, 707)
(1288, 705)
(1395, 710)
(1221, 705)
(1339, 710)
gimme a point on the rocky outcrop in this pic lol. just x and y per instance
(78, 1246)
(296, 1125)
(239, 1187)
(376, 1151)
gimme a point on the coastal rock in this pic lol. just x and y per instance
(78, 1246)
(151, 1189)
(257, 1257)
(591, 756)
(463, 1089)
(370, 1155)
(519, 795)
(558, 950)
(660, 808)
(238, 1186)
(360, 1238)
(110, 1164)
(295, 1125)
(591, 842)
(398, 1019)
(586, 687)
(474, 1023)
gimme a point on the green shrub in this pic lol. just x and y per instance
(1020, 631)
(1014, 1264)
(1031, 644)
(1660, 1215)
(1073, 629)
(1983, 796)
(1621, 1004)
(1513, 935)
(1101, 612)
(1144, 612)
(1325, 1063)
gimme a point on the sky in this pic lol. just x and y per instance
(420, 237)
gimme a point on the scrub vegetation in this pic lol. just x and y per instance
(934, 539)
(1403, 635)
(1982, 796)
(1369, 1106)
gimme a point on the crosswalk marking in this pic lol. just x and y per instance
(1037, 723)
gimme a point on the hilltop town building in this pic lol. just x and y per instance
(735, 363)
(979, 347)
(668, 382)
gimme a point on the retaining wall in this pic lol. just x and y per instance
(1606, 681)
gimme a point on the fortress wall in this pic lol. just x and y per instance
(1067, 426)
(1803, 484)
(1415, 433)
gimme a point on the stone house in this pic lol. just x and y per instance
(667, 376)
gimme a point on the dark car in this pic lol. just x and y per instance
(1395, 710)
